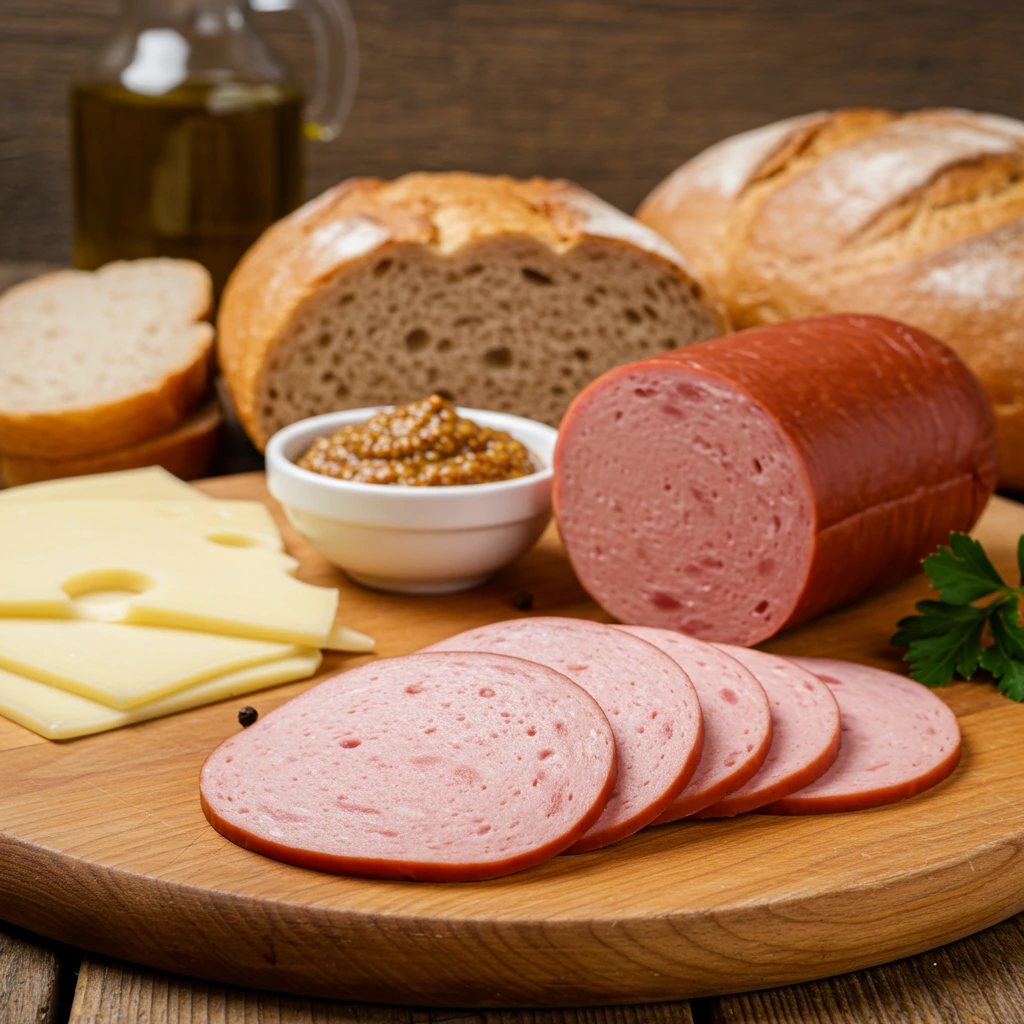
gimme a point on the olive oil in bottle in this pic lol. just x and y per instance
(197, 172)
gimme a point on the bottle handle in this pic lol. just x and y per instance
(333, 30)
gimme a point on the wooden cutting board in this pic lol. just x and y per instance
(103, 845)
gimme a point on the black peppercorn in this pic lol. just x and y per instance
(523, 601)
(247, 716)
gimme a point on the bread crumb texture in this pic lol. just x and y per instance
(918, 216)
(495, 293)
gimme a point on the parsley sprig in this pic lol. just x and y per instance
(957, 636)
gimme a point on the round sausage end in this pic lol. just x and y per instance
(672, 485)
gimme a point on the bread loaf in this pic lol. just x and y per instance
(187, 452)
(919, 217)
(500, 294)
(98, 361)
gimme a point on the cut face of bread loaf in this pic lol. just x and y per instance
(919, 217)
(98, 361)
(496, 293)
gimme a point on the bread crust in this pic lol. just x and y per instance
(919, 217)
(187, 452)
(364, 218)
(75, 432)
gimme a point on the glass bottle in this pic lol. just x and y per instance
(187, 133)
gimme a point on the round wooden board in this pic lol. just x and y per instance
(103, 844)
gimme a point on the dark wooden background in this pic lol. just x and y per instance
(612, 93)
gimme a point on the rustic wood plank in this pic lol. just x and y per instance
(652, 1013)
(978, 980)
(32, 972)
(111, 992)
(612, 93)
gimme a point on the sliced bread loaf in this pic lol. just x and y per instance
(98, 361)
(497, 293)
(187, 452)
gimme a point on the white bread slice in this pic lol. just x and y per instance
(100, 361)
(187, 452)
(501, 294)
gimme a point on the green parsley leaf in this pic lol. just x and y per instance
(948, 637)
(962, 572)
(1008, 671)
(1011, 680)
(1007, 632)
(942, 640)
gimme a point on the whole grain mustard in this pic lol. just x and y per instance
(424, 444)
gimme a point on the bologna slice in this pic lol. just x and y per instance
(649, 700)
(737, 719)
(432, 767)
(805, 733)
(898, 739)
(744, 484)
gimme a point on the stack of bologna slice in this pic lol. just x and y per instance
(506, 745)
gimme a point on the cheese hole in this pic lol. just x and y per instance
(105, 593)
(233, 540)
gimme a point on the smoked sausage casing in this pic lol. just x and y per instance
(745, 484)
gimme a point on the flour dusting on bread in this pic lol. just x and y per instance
(600, 219)
(729, 166)
(853, 186)
(346, 239)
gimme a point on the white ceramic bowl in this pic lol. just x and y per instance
(413, 540)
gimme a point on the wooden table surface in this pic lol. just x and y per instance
(978, 980)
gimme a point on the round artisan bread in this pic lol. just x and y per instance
(187, 451)
(97, 361)
(919, 217)
(500, 294)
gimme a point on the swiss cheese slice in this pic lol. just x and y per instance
(211, 566)
(59, 715)
(124, 666)
(153, 483)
